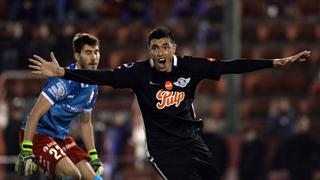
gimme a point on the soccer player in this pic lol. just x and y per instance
(165, 88)
(44, 136)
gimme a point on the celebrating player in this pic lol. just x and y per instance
(44, 136)
(165, 88)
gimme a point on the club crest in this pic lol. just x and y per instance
(182, 82)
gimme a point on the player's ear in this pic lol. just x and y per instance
(76, 56)
(174, 48)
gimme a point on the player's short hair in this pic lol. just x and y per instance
(161, 32)
(81, 39)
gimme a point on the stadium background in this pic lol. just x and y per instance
(266, 104)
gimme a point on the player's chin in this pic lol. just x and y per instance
(165, 69)
(92, 67)
(160, 67)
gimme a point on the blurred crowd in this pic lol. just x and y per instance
(279, 130)
(41, 26)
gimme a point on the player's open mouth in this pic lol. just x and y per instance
(162, 62)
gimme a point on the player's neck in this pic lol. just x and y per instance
(78, 66)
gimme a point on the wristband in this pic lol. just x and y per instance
(26, 145)
(93, 154)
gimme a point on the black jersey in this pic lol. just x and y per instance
(166, 99)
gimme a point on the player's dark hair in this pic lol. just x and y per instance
(161, 32)
(81, 39)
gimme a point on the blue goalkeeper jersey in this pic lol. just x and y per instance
(68, 99)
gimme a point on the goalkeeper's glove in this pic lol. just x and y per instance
(95, 162)
(25, 166)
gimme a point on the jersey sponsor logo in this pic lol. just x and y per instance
(57, 90)
(168, 85)
(182, 82)
(211, 59)
(169, 98)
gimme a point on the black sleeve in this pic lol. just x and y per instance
(122, 77)
(203, 68)
(127, 76)
(213, 69)
(238, 66)
(105, 77)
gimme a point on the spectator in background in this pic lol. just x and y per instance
(281, 118)
(15, 120)
(3, 123)
(58, 10)
(212, 136)
(43, 39)
(137, 9)
(138, 136)
(216, 143)
(13, 47)
(190, 9)
(252, 163)
(62, 44)
(118, 136)
(302, 151)
(315, 86)
(22, 10)
(37, 11)
(87, 10)
(280, 123)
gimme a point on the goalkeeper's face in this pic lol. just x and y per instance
(162, 51)
(88, 58)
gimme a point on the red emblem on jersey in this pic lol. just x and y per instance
(211, 59)
(169, 98)
(168, 85)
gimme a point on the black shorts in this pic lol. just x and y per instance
(196, 169)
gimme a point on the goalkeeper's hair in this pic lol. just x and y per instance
(81, 39)
(161, 32)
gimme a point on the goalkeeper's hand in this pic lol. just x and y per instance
(25, 166)
(95, 162)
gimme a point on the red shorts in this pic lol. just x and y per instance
(48, 152)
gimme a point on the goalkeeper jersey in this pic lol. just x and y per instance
(68, 99)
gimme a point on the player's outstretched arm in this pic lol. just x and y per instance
(302, 56)
(53, 69)
(47, 68)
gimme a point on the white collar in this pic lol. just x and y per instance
(175, 61)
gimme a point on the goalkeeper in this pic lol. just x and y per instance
(44, 139)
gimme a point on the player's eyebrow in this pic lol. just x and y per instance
(88, 51)
(158, 45)
(154, 46)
